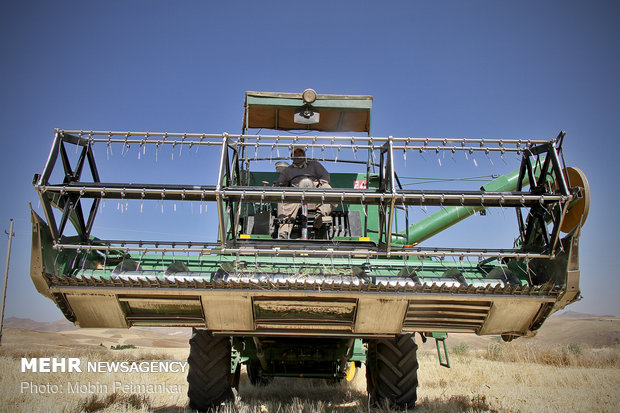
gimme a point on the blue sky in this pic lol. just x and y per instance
(441, 69)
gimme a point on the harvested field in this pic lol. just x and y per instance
(572, 365)
(473, 384)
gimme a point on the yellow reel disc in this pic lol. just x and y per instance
(578, 211)
(351, 370)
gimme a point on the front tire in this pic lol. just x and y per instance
(392, 371)
(209, 379)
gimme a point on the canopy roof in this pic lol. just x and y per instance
(338, 113)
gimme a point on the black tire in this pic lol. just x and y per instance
(209, 379)
(255, 376)
(392, 371)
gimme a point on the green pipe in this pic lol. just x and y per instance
(448, 216)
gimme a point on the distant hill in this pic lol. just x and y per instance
(28, 324)
(575, 314)
(564, 328)
(65, 325)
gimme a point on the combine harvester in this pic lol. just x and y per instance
(325, 299)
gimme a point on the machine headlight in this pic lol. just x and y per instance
(309, 96)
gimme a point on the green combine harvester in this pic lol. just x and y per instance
(322, 299)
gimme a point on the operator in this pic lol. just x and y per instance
(302, 173)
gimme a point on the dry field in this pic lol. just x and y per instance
(486, 376)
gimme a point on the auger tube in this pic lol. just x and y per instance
(448, 216)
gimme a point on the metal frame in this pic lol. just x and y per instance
(70, 201)
(547, 157)
(229, 192)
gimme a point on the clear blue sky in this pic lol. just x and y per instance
(448, 69)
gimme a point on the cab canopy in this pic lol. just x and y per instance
(307, 111)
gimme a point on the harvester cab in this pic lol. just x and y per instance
(350, 280)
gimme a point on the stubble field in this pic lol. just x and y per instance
(503, 377)
(573, 364)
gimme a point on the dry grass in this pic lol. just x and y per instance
(519, 378)
(99, 353)
(574, 355)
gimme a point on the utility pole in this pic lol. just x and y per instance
(6, 277)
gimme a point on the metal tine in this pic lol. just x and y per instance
(469, 262)
(182, 143)
(110, 144)
(443, 152)
(458, 214)
(141, 257)
(256, 148)
(78, 146)
(141, 149)
(83, 260)
(489, 157)
(501, 204)
(459, 263)
(125, 148)
(362, 203)
(202, 137)
(503, 271)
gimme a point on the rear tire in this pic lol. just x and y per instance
(210, 382)
(392, 371)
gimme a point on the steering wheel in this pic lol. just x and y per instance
(304, 181)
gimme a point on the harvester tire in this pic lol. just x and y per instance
(392, 371)
(209, 379)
